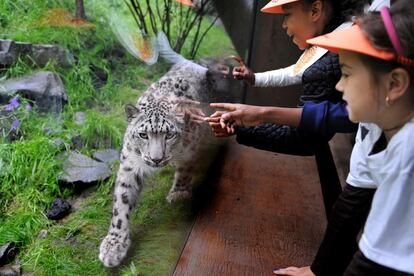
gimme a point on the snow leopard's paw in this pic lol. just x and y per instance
(113, 249)
(174, 196)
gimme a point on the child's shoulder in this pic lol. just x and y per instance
(401, 145)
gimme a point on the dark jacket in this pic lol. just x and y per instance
(319, 122)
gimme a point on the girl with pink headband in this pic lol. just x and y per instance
(377, 66)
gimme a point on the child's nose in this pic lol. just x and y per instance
(339, 86)
(284, 25)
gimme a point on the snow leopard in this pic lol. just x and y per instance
(160, 131)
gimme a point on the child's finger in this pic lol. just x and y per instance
(215, 125)
(238, 76)
(237, 70)
(238, 59)
(213, 120)
(229, 116)
(219, 132)
(197, 119)
(223, 124)
(286, 271)
(218, 129)
(230, 127)
(187, 101)
(217, 114)
(227, 106)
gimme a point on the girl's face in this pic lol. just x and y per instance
(365, 99)
(298, 23)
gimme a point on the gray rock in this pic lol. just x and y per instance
(59, 209)
(7, 253)
(48, 131)
(80, 168)
(10, 51)
(42, 54)
(80, 118)
(45, 88)
(77, 142)
(107, 155)
(42, 234)
(59, 143)
(10, 270)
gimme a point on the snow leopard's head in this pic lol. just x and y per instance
(154, 130)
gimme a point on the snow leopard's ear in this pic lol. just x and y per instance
(131, 112)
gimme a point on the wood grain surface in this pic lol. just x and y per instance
(266, 212)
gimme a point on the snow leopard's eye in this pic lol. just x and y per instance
(143, 135)
(169, 135)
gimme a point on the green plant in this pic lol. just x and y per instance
(173, 20)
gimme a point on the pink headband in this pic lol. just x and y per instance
(392, 34)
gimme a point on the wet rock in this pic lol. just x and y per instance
(11, 51)
(99, 76)
(45, 88)
(107, 156)
(42, 54)
(10, 270)
(59, 209)
(79, 168)
(42, 234)
(7, 253)
(48, 131)
(80, 118)
(59, 143)
(77, 142)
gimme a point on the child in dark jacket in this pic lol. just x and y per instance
(277, 129)
(317, 69)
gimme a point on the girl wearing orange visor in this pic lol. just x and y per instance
(377, 63)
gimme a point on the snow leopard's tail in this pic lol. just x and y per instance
(166, 52)
(171, 57)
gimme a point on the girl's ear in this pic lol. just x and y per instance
(398, 84)
(317, 10)
(131, 112)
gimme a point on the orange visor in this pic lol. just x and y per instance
(350, 39)
(275, 6)
(185, 2)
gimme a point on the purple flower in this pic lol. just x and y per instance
(28, 106)
(13, 104)
(15, 124)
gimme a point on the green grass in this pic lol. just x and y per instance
(29, 169)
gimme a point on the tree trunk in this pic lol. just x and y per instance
(80, 10)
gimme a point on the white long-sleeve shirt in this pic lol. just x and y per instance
(293, 74)
(290, 75)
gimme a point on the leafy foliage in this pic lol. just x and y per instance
(175, 20)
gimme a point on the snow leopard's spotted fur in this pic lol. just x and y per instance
(158, 133)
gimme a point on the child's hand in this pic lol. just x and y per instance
(294, 271)
(216, 128)
(243, 72)
(190, 109)
(238, 115)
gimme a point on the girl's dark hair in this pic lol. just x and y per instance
(372, 24)
(343, 10)
(402, 15)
